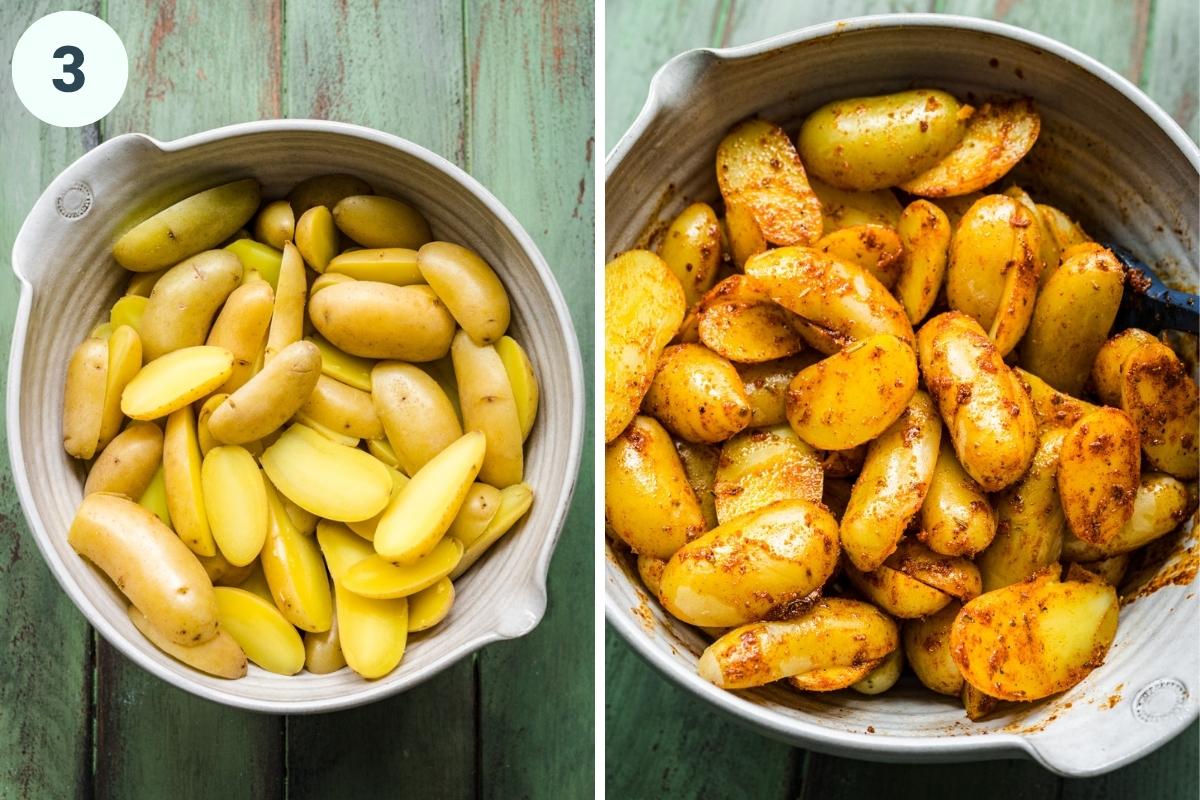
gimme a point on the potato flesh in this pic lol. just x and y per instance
(330, 480)
(760, 466)
(697, 395)
(743, 324)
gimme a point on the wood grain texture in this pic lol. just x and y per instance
(538, 161)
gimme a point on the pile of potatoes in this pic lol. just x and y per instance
(297, 439)
(845, 422)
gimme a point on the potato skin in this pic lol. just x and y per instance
(241, 328)
(220, 656)
(468, 287)
(127, 465)
(1099, 469)
(342, 408)
(1106, 369)
(875, 248)
(1161, 503)
(270, 398)
(988, 414)
(692, 249)
(843, 209)
(648, 501)
(83, 398)
(892, 485)
(414, 411)
(761, 466)
(697, 395)
(956, 519)
(766, 387)
(488, 405)
(644, 305)
(183, 302)
(149, 563)
(1053, 409)
(925, 234)
(927, 647)
(743, 324)
(866, 143)
(700, 462)
(900, 595)
(1161, 397)
(379, 320)
(375, 221)
(853, 396)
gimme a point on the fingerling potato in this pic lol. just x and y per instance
(1161, 503)
(127, 465)
(956, 518)
(842, 209)
(330, 480)
(270, 398)
(875, 248)
(220, 656)
(927, 647)
(488, 405)
(181, 308)
(737, 321)
(469, 288)
(761, 466)
(83, 398)
(697, 395)
(415, 413)
(1099, 468)
(275, 224)
(241, 328)
(379, 320)
(691, 247)
(925, 234)
(376, 221)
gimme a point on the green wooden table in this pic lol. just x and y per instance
(505, 90)
(659, 741)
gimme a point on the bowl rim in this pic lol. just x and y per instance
(952, 747)
(534, 601)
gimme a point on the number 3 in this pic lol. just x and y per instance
(72, 69)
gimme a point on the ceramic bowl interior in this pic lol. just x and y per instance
(69, 280)
(1108, 157)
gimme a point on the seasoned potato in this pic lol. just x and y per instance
(379, 320)
(883, 677)
(954, 575)
(766, 387)
(241, 328)
(843, 209)
(833, 679)
(648, 501)
(892, 486)
(83, 398)
(1062, 230)
(1036, 638)
(761, 466)
(743, 324)
(1099, 468)
(745, 237)
(843, 463)
(697, 395)
(866, 143)
(853, 396)
(900, 595)
(743, 569)
(416, 414)
(843, 299)
(1071, 319)
(832, 633)
(875, 248)
(1029, 521)
(181, 308)
(376, 221)
(692, 249)
(1106, 370)
(127, 465)
(1161, 503)
(956, 517)
(469, 288)
(758, 168)
(644, 305)
(1052, 408)
(987, 412)
(998, 135)
(927, 646)
(270, 398)
(1160, 396)
(700, 462)
(924, 232)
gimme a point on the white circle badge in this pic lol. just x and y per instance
(70, 68)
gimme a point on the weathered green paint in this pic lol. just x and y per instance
(660, 742)
(522, 124)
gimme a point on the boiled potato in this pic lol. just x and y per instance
(260, 262)
(323, 651)
(875, 248)
(241, 328)
(83, 398)
(1160, 396)
(843, 209)
(927, 646)
(181, 308)
(220, 656)
(700, 463)
(329, 479)
(1106, 369)
(291, 291)
(956, 518)
(294, 570)
(414, 411)
(488, 405)
(1161, 503)
(124, 362)
(469, 288)
(697, 395)
(235, 500)
(1099, 468)
(430, 606)
(127, 465)
(867, 143)
(342, 408)
(259, 628)
(925, 234)
(270, 398)
(275, 224)
(325, 190)
(761, 466)
(379, 320)
(1052, 408)
(375, 221)
(741, 323)
(515, 500)
(175, 380)
(378, 578)
(766, 387)
(521, 378)
(395, 265)
(128, 310)
(182, 464)
(316, 237)
(691, 247)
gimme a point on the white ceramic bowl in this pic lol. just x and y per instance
(1107, 155)
(62, 257)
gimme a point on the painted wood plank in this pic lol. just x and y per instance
(397, 67)
(46, 646)
(751, 20)
(531, 140)
(1169, 773)
(661, 742)
(832, 777)
(153, 739)
(1171, 74)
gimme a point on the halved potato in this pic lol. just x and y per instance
(1161, 503)
(743, 324)
(691, 247)
(697, 395)
(1099, 468)
(761, 466)
(841, 208)
(957, 518)
(875, 248)
(925, 233)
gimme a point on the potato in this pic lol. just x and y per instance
(691, 247)
(330, 480)
(843, 299)
(378, 578)
(270, 398)
(294, 571)
(700, 466)
(235, 500)
(488, 405)
(469, 288)
(149, 564)
(644, 305)
(761, 466)
(128, 310)
(220, 656)
(142, 283)
(1071, 319)
(892, 486)
(925, 233)
(325, 190)
(650, 570)
(394, 265)
(323, 651)
(766, 387)
(844, 209)
(1061, 230)
(869, 143)
(1110, 570)
(515, 500)
(832, 679)
(291, 293)
(154, 499)
(647, 498)
(987, 413)
(1048, 248)
(196, 223)
(241, 328)
(853, 396)
(124, 362)
(1161, 503)
(1106, 369)
(430, 606)
(417, 519)
(275, 224)
(1160, 396)
(998, 135)
(175, 380)
(325, 281)
(697, 395)
(1052, 408)
(745, 237)
(316, 237)
(1029, 521)
(883, 677)
(741, 570)
(260, 630)
(521, 378)
(1099, 468)
(182, 464)
(956, 517)
(379, 320)
(927, 646)
(366, 527)
(739, 322)
(350, 370)
(875, 248)
(260, 262)
(374, 221)
(181, 307)
(83, 398)
(832, 633)
(342, 408)
(128, 463)
(1034, 639)
(476, 513)
(843, 463)
(758, 168)
(954, 575)
(900, 595)
(414, 411)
